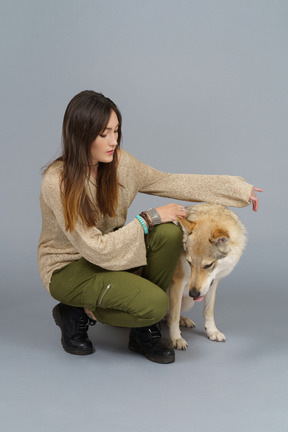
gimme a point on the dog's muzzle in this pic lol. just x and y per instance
(194, 293)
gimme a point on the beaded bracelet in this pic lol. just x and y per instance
(141, 220)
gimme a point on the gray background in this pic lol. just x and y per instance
(202, 86)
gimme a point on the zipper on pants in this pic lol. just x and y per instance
(103, 294)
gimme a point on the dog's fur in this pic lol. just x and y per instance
(213, 241)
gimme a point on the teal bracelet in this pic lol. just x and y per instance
(142, 223)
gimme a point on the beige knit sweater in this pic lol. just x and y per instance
(124, 248)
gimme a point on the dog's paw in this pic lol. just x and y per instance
(186, 322)
(216, 335)
(179, 344)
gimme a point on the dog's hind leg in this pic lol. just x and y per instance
(187, 304)
(209, 301)
(186, 322)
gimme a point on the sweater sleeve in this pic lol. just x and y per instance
(118, 250)
(215, 189)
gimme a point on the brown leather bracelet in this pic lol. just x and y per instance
(147, 219)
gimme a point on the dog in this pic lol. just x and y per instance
(213, 241)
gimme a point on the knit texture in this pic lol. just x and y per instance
(105, 244)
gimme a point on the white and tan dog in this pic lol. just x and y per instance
(213, 241)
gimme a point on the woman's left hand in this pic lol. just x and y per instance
(254, 198)
(170, 212)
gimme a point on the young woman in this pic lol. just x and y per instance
(89, 260)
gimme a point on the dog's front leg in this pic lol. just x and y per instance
(175, 293)
(209, 301)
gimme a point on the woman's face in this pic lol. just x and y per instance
(103, 147)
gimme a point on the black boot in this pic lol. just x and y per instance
(74, 324)
(146, 341)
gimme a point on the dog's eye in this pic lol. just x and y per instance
(208, 266)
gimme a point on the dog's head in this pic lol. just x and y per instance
(209, 249)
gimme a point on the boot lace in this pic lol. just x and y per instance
(92, 322)
(83, 324)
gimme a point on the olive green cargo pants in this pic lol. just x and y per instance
(121, 298)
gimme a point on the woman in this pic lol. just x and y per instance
(88, 258)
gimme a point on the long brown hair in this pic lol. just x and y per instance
(86, 116)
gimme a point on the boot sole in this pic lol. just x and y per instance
(68, 349)
(155, 359)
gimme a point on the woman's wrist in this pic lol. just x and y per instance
(154, 216)
(149, 219)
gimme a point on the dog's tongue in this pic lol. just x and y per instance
(199, 299)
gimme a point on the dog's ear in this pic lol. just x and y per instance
(220, 238)
(186, 225)
(187, 228)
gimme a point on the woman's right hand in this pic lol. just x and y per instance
(170, 212)
(254, 198)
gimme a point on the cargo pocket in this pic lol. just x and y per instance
(103, 295)
(93, 290)
(117, 297)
